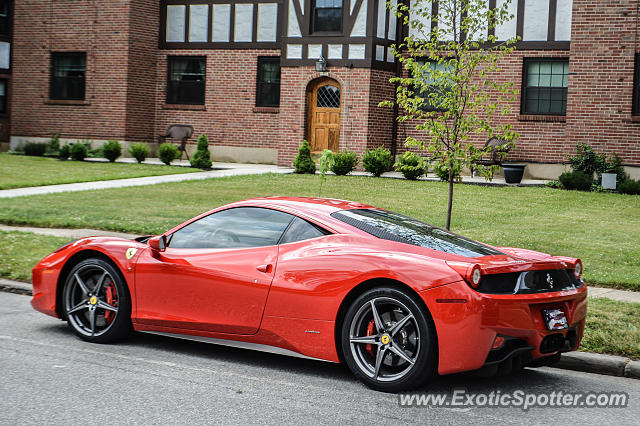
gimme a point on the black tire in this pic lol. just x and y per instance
(96, 302)
(395, 358)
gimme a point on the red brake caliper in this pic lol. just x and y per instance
(370, 327)
(112, 300)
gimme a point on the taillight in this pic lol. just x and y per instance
(471, 273)
(476, 276)
(577, 269)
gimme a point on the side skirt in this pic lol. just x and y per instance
(236, 344)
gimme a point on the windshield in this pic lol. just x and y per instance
(396, 227)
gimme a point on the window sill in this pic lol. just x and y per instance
(543, 118)
(66, 102)
(632, 119)
(266, 110)
(183, 107)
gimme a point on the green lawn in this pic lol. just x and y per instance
(21, 251)
(612, 328)
(18, 171)
(602, 229)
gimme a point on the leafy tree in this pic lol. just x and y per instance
(327, 161)
(451, 89)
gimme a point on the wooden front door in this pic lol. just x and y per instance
(323, 103)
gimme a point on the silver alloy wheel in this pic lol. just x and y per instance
(385, 339)
(91, 300)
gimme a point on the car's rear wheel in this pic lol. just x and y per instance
(388, 341)
(96, 302)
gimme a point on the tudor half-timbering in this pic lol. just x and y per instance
(246, 73)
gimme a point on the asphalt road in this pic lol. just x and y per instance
(49, 375)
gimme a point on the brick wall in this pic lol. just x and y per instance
(141, 75)
(98, 27)
(604, 41)
(229, 116)
(601, 66)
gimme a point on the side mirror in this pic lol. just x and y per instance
(158, 243)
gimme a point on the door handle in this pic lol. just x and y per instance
(265, 268)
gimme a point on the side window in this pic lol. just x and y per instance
(300, 230)
(233, 228)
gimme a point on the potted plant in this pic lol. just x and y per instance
(513, 172)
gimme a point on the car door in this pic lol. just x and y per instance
(215, 273)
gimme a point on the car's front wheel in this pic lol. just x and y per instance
(96, 302)
(388, 341)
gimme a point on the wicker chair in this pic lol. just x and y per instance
(496, 154)
(178, 131)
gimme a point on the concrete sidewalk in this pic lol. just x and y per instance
(226, 169)
(72, 234)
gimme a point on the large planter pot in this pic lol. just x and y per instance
(513, 172)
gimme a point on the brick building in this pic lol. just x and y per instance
(244, 72)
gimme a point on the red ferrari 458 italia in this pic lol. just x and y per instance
(396, 299)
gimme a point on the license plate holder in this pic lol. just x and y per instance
(555, 319)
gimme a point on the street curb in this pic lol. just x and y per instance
(18, 287)
(586, 362)
(609, 365)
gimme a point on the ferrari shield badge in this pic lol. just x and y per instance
(131, 252)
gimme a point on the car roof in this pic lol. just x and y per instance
(307, 205)
(315, 209)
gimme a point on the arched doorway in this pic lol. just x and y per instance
(323, 115)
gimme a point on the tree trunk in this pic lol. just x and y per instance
(450, 204)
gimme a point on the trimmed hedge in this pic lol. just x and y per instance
(112, 150)
(303, 162)
(35, 149)
(344, 162)
(576, 180)
(377, 161)
(167, 152)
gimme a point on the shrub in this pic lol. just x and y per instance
(202, 157)
(411, 165)
(577, 180)
(139, 151)
(53, 147)
(377, 161)
(167, 152)
(79, 151)
(614, 165)
(112, 150)
(344, 162)
(443, 173)
(64, 152)
(629, 186)
(35, 149)
(587, 161)
(303, 162)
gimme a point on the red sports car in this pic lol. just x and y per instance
(396, 299)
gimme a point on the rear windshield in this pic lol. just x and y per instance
(396, 227)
